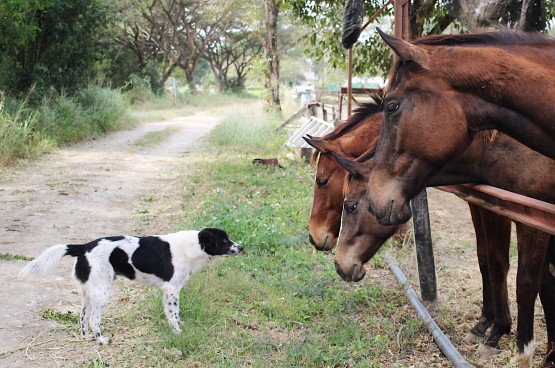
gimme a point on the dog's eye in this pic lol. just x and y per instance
(321, 182)
(350, 207)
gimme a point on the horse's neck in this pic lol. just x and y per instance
(513, 93)
(494, 162)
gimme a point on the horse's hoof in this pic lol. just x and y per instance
(488, 352)
(472, 338)
(524, 359)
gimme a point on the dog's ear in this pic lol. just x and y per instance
(214, 241)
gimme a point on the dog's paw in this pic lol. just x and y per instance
(88, 337)
(104, 340)
(176, 327)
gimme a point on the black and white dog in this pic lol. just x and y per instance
(165, 261)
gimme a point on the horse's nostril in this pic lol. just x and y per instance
(311, 239)
(337, 268)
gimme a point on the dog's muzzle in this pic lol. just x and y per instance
(235, 249)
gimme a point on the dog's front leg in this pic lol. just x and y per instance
(171, 307)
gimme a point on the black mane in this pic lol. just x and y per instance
(359, 115)
(501, 37)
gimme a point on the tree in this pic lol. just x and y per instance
(51, 43)
(271, 52)
(236, 48)
(181, 30)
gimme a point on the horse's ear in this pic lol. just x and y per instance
(406, 51)
(354, 168)
(321, 145)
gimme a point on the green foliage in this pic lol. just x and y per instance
(91, 113)
(27, 131)
(19, 136)
(51, 43)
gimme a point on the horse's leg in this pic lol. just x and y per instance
(532, 246)
(547, 297)
(478, 332)
(497, 230)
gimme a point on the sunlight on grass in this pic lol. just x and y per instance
(154, 138)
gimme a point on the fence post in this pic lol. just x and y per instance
(424, 249)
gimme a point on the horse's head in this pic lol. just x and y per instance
(350, 140)
(423, 126)
(325, 217)
(361, 235)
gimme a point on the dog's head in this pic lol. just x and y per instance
(215, 242)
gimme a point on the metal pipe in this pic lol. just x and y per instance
(440, 339)
(376, 14)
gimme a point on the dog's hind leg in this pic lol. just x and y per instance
(171, 306)
(85, 316)
(99, 300)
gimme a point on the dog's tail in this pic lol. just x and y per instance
(47, 262)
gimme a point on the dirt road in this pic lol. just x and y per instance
(93, 189)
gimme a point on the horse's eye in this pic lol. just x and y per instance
(322, 182)
(350, 207)
(392, 107)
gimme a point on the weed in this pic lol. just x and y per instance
(11, 257)
(68, 318)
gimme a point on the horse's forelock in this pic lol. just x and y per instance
(346, 184)
(314, 156)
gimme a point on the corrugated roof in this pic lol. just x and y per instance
(314, 126)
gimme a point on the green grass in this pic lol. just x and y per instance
(279, 304)
(11, 257)
(68, 318)
(154, 138)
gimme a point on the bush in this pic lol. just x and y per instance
(18, 133)
(55, 120)
(246, 128)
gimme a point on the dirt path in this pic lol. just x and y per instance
(99, 188)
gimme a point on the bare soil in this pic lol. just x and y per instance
(111, 186)
(103, 187)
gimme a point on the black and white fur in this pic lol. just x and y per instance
(165, 261)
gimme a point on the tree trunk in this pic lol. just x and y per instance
(532, 16)
(191, 81)
(272, 56)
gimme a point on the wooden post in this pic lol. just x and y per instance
(419, 204)
(350, 84)
(424, 249)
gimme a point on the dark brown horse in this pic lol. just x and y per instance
(492, 231)
(349, 140)
(483, 162)
(442, 89)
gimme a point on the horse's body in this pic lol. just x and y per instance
(492, 231)
(445, 88)
(482, 162)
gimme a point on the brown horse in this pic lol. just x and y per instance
(492, 231)
(483, 162)
(349, 140)
(442, 89)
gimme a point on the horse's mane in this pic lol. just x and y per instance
(360, 114)
(502, 37)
